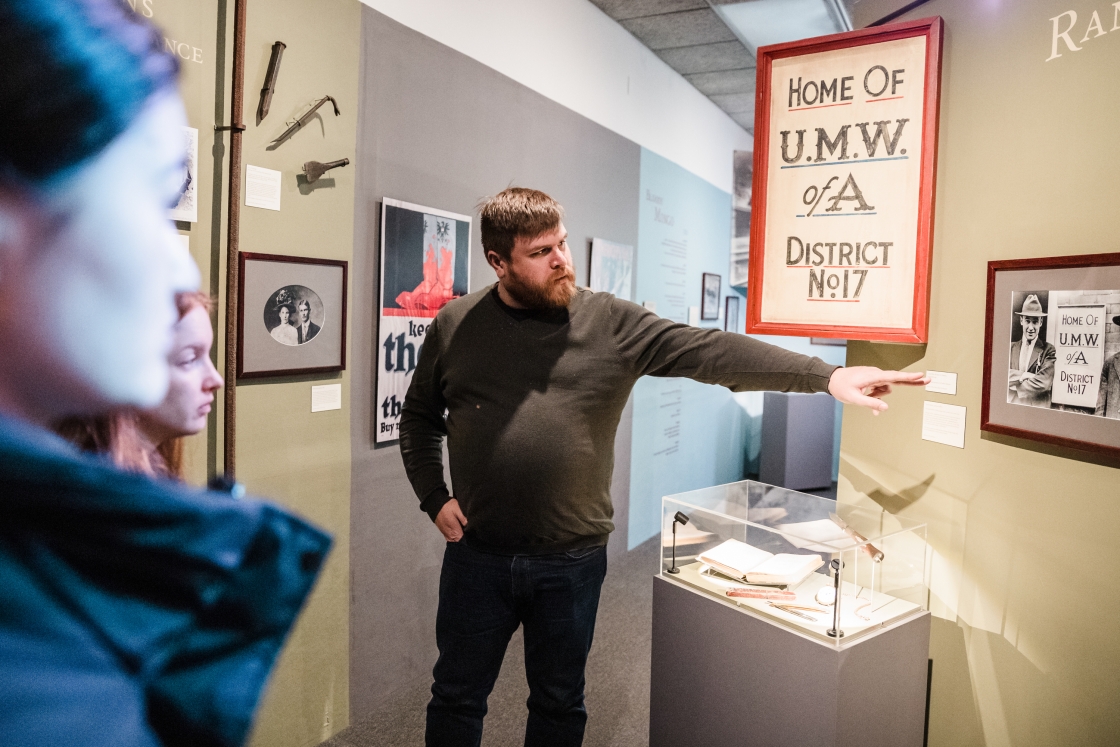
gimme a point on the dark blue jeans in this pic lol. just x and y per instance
(482, 600)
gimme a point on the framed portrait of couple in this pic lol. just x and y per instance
(1052, 351)
(292, 315)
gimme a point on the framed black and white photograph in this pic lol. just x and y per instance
(709, 301)
(186, 208)
(292, 315)
(1052, 351)
(612, 268)
(731, 314)
(741, 218)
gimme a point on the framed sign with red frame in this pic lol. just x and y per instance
(844, 164)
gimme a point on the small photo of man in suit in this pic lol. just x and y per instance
(305, 329)
(1031, 374)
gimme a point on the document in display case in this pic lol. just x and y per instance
(834, 573)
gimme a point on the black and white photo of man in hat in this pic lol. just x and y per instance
(1031, 374)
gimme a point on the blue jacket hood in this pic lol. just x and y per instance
(178, 600)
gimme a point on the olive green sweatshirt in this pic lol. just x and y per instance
(532, 402)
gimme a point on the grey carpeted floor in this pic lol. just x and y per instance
(617, 676)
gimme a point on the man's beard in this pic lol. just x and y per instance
(554, 293)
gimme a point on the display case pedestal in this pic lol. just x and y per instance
(722, 676)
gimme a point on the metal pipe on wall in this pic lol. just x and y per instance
(236, 128)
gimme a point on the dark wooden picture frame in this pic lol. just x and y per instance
(932, 29)
(731, 314)
(709, 302)
(1082, 274)
(299, 358)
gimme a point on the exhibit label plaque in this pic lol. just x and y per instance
(843, 184)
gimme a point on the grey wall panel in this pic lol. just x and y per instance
(440, 129)
(749, 682)
(797, 440)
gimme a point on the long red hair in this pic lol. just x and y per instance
(117, 434)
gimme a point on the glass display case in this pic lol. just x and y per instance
(783, 555)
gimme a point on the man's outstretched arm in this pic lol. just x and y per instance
(659, 347)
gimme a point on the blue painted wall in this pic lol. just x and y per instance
(688, 435)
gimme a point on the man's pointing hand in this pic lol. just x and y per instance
(865, 385)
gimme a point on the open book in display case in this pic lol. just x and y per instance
(773, 553)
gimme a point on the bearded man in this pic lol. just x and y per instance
(533, 374)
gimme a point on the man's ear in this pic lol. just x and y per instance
(500, 266)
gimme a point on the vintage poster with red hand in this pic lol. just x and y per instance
(425, 262)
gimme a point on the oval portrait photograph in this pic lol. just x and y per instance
(293, 315)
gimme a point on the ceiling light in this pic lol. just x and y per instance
(761, 22)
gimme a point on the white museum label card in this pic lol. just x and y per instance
(843, 187)
(694, 316)
(942, 382)
(262, 188)
(1079, 344)
(326, 397)
(943, 424)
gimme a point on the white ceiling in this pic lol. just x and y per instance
(761, 22)
(712, 43)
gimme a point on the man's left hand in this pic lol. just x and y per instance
(865, 385)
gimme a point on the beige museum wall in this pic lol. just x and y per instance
(1024, 536)
(285, 452)
(191, 28)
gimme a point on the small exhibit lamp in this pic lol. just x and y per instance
(682, 520)
(837, 565)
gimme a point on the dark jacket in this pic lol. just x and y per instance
(1035, 391)
(135, 612)
(312, 330)
(1108, 398)
(533, 402)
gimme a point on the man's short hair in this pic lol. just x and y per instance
(515, 213)
(304, 302)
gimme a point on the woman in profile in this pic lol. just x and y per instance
(133, 612)
(151, 441)
(284, 332)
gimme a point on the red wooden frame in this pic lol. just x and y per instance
(931, 28)
(1037, 263)
(256, 257)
